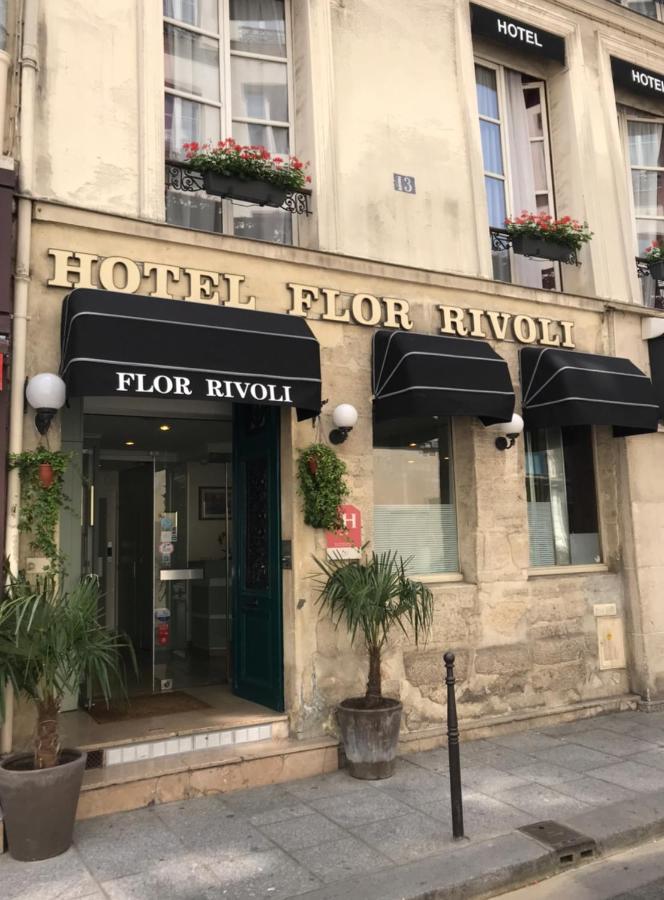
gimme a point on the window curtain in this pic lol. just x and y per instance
(258, 26)
(527, 272)
(645, 143)
(182, 10)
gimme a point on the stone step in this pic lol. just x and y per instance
(181, 776)
(174, 742)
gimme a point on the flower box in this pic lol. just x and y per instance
(657, 270)
(540, 248)
(262, 193)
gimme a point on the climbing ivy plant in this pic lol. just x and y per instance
(41, 505)
(322, 486)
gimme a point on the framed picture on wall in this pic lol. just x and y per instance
(213, 502)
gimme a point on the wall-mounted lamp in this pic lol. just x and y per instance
(46, 394)
(344, 418)
(507, 432)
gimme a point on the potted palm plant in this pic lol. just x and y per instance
(540, 236)
(372, 595)
(51, 641)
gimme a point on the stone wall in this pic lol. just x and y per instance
(524, 641)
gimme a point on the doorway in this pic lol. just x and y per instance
(189, 567)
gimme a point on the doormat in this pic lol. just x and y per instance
(145, 706)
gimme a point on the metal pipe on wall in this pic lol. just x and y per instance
(5, 62)
(29, 65)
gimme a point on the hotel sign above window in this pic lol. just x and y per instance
(636, 78)
(514, 33)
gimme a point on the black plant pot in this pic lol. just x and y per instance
(539, 248)
(657, 270)
(261, 193)
(370, 737)
(39, 805)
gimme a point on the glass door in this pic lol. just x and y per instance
(191, 573)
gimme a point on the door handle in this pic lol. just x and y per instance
(251, 603)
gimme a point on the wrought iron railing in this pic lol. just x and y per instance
(181, 178)
(652, 289)
(500, 239)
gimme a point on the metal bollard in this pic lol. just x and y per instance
(453, 749)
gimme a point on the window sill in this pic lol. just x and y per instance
(438, 578)
(587, 569)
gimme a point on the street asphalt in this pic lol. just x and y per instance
(636, 874)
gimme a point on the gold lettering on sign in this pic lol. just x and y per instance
(476, 323)
(548, 339)
(71, 269)
(371, 304)
(397, 314)
(452, 318)
(302, 296)
(525, 329)
(330, 297)
(568, 340)
(501, 326)
(129, 283)
(161, 278)
(234, 282)
(201, 284)
(127, 276)
(499, 322)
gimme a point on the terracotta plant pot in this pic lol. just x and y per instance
(45, 474)
(39, 805)
(370, 737)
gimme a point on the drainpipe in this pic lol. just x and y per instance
(20, 314)
(4, 69)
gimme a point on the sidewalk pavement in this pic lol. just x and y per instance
(334, 837)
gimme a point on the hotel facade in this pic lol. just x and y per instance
(205, 342)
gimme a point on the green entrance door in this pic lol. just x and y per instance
(257, 613)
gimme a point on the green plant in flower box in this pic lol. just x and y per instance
(251, 162)
(566, 231)
(655, 252)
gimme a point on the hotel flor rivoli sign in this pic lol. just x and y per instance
(72, 269)
(516, 34)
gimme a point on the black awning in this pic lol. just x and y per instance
(563, 387)
(117, 344)
(436, 375)
(656, 354)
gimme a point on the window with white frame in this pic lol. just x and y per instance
(560, 491)
(227, 74)
(645, 154)
(414, 503)
(645, 140)
(517, 163)
(654, 9)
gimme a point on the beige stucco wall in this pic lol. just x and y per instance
(379, 91)
(375, 92)
(523, 641)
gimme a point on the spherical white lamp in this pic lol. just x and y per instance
(46, 394)
(508, 431)
(344, 418)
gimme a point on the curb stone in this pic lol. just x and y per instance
(510, 861)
